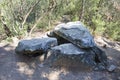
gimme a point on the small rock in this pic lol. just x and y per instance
(111, 68)
(118, 78)
(41, 65)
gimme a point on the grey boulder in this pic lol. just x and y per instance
(36, 46)
(76, 33)
(111, 68)
(88, 56)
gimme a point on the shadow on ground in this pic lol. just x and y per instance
(19, 67)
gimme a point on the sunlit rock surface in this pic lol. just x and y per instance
(74, 32)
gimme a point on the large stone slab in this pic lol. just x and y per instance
(76, 33)
(90, 56)
(35, 46)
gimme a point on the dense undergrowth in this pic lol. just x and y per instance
(22, 17)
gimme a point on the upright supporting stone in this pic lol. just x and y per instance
(88, 56)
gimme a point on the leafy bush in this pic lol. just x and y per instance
(102, 17)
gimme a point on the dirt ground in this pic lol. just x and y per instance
(18, 67)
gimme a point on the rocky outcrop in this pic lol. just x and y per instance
(34, 47)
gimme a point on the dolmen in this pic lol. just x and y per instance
(70, 39)
(76, 40)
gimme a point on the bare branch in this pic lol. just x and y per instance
(52, 5)
(31, 9)
(82, 11)
(37, 23)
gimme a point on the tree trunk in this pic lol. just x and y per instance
(6, 29)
